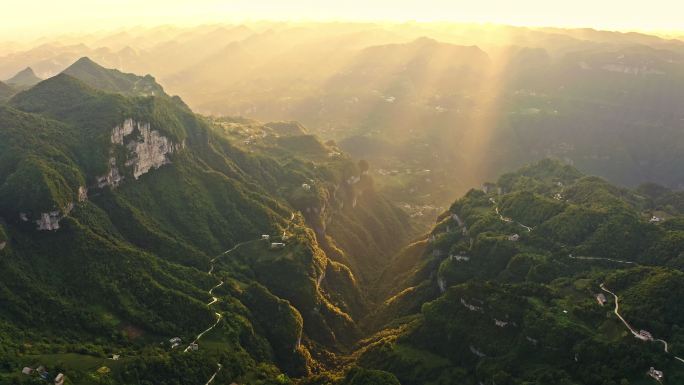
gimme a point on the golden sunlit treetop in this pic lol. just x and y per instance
(29, 18)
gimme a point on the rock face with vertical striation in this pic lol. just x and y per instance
(147, 150)
(150, 151)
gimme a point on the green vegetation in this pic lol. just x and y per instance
(127, 269)
(273, 251)
(111, 80)
(6, 92)
(497, 309)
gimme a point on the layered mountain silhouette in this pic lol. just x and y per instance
(24, 78)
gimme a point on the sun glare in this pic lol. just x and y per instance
(77, 15)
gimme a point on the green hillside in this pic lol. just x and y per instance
(141, 243)
(115, 208)
(6, 92)
(503, 290)
(111, 80)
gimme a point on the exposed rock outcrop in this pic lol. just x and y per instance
(441, 283)
(2, 245)
(50, 221)
(151, 152)
(82, 193)
(147, 150)
(112, 177)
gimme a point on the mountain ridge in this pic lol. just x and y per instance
(24, 78)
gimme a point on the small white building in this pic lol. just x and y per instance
(601, 299)
(194, 347)
(658, 375)
(644, 335)
(175, 340)
(306, 186)
(265, 237)
(27, 370)
(655, 219)
(514, 238)
(277, 245)
(59, 380)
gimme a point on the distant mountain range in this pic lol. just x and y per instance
(486, 99)
(24, 78)
(144, 243)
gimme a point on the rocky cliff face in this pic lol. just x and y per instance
(50, 221)
(150, 152)
(147, 150)
(82, 193)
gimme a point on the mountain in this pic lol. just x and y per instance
(122, 215)
(24, 78)
(113, 80)
(515, 285)
(308, 253)
(6, 92)
(465, 102)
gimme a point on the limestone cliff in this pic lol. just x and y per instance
(147, 149)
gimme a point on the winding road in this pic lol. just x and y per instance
(634, 332)
(215, 299)
(603, 259)
(215, 373)
(507, 220)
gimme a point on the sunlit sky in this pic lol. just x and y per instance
(30, 18)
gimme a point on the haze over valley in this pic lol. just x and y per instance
(341, 202)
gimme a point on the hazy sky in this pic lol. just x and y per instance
(35, 17)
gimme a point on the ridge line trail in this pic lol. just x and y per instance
(616, 310)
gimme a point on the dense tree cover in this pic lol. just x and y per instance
(510, 298)
(358, 376)
(113, 80)
(282, 325)
(127, 269)
(3, 234)
(6, 92)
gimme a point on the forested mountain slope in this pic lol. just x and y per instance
(515, 284)
(128, 220)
